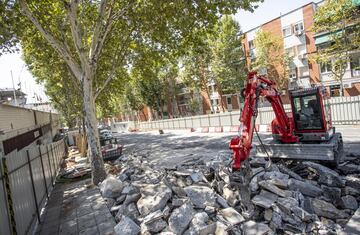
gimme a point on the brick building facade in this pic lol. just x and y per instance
(300, 42)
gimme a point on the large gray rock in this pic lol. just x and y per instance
(326, 176)
(275, 175)
(180, 218)
(216, 228)
(231, 216)
(201, 196)
(126, 227)
(254, 228)
(274, 189)
(230, 196)
(221, 201)
(265, 199)
(286, 204)
(349, 202)
(199, 221)
(352, 181)
(305, 188)
(154, 226)
(327, 210)
(129, 210)
(153, 197)
(111, 187)
(289, 172)
(350, 191)
(333, 194)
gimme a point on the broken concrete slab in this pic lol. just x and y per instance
(180, 218)
(231, 216)
(352, 181)
(275, 175)
(305, 188)
(327, 210)
(221, 201)
(230, 196)
(254, 228)
(349, 202)
(154, 226)
(216, 228)
(201, 196)
(153, 197)
(289, 172)
(274, 189)
(326, 175)
(265, 199)
(332, 193)
(126, 226)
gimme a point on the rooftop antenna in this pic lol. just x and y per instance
(12, 78)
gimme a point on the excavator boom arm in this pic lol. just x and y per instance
(258, 86)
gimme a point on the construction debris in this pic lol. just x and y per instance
(205, 198)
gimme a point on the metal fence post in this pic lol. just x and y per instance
(54, 159)
(43, 171)
(8, 197)
(51, 175)
(33, 185)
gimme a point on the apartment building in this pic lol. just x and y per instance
(299, 41)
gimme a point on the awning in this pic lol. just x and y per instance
(325, 37)
(322, 39)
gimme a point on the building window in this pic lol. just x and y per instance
(299, 27)
(228, 100)
(355, 65)
(325, 67)
(292, 73)
(286, 31)
(334, 90)
(251, 44)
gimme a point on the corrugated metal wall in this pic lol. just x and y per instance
(30, 176)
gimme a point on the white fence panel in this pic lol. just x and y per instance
(344, 111)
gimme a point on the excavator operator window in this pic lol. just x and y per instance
(307, 112)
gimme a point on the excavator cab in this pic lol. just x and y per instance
(311, 114)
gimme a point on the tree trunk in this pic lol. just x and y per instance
(97, 163)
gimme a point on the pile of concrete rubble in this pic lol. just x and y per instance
(206, 198)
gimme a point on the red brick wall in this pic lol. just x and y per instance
(308, 12)
(353, 91)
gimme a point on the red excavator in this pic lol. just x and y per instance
(306, 133)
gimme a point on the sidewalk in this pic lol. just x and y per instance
(75, 208)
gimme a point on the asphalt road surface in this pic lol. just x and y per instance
(180, 146)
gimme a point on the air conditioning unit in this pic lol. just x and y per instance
(347, 85)
(298, 32)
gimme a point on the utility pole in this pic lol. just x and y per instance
(12, 78)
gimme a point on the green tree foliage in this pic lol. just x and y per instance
(271, 58)
(95, 40)
(340, 20)
(227, 65)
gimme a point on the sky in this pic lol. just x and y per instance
(266, 11)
